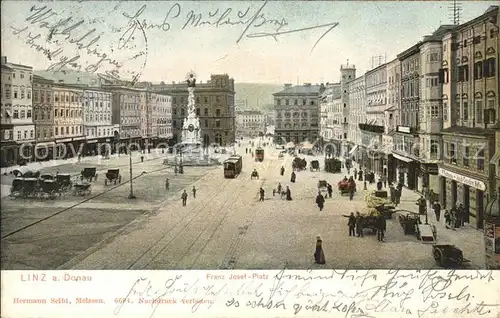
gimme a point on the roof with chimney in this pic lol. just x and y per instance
(305, 89)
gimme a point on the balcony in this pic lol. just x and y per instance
(372, 128)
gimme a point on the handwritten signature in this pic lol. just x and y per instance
(218, 18)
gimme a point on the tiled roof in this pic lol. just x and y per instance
(300, 89)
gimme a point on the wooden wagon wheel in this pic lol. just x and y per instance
(439, 256)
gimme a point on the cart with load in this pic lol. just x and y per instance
(49, 189)
(89, 174)
(427, 233)
(113, 175)
(369, 220)
(315, 165)
(447, 256)
(345, 186)
(16, 190)
(30, 187)
(255, 175)
(409, 221)
(333, 165)
(380, 203)
(47, 176)
(24, 172)
(64, 181)
(299, 164)
(82, 188)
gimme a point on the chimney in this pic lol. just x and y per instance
(4, 60)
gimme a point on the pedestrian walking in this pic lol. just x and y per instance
(447, 218)
(355, 173)
(352, 189)
(329, 189)
(384, 181)
(381, 226)
(320, 201)
(279, 187)
(359, 224)
(437, 210)
(288, 194)
(274, 192)
(319, 255)
(282, 170)
(167, 185)
(262, 193)
(422, 205)
(292, 177)
(461, 215)
(175, 170)
(194, 192)
(184, 198)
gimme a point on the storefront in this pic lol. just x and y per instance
(429, 177)
(456, 188)
(372, 150)
(44, 151)
(492, 233)
(407, 171)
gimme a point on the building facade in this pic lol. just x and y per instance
(68, 120)
(372, 130)
(328, 112)
(392, 112)
(43, 117)
(403, 164)
(161, 121)
(97, 119)
(214, 108)
(472, 107)
(18, 130)
(357, 114)
(250, 123)
(297, 113)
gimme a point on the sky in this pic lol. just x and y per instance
(161, 41)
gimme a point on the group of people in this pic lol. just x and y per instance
(356, 224)
(286, 193)
(350, 184)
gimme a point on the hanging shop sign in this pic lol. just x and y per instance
(463, 179)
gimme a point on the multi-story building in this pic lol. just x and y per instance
(250, 123)
(472, 112)
(403, 164)
(68, 119)
(430, 108)
(214, 108)
(161, 118)
(357, 114)
(43, 117)
(329, 115)
(97, 119)
(372, 130)
(297, 113)
(392, 111)
(126, 113)
(17, 120)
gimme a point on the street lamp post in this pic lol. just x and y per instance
(131, 194)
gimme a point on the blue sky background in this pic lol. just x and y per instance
(365, 29)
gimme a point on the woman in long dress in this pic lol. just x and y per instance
(292, 178)
(319, 256)
(288, 194)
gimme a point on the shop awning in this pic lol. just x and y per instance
(353, 150)
(307, 145)
(290, 145)
(45, 144)
(402, 158)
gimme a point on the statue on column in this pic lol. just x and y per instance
(191, 80)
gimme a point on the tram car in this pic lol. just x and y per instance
(259, 154)
(232, 166)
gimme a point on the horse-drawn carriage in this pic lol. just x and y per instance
(322, 185)
(89, 174)
(113, 175)
(82, 188)
(448, 256)
(315, 165)
(299, 164)
(255, 175)
(24, 172)
(345, 186)
(409, 222)
(25, 187)
(333, 165)
(64, 181)
(49, 189)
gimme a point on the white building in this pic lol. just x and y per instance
(162, 117)
(357, 109)
(250, 122)
(376, 95)
(17, 109)
(97, 108)
(392, 110)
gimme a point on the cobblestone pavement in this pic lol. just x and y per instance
(226, 227)
(83, 222)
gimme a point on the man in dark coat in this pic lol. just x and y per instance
(437, 210)
(282, 170)
(359, 224)
(320, 201)
(261, 192)
(292, 177)
(352, 224)
(184, 197)
(381, 226)
(288, 194)
(329, 189)
(461, 215)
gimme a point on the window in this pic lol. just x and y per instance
(453, 158)
(434, 148)
(56, 97)
(434, 111)
(434, 57)
(19, 135)
(465, 156)
(67, 130)
(480, 160)
(445, 111)
(463, 73)
(312, 103)
(217, 112)
(478, 70)
(42, 113)
(197, 112)
(489, 67)
(217, 123)
(206, 123)
(287, 102)
(174, 124)
(465, 111)
(26, 134)
(16, 114)
(182, 111)
(489, 115)
(57, 131)
(476, 40)
(479, 111)
(31, 133)
(23, 114)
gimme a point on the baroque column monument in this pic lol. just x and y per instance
(191, 133)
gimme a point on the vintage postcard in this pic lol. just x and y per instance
(250, 158)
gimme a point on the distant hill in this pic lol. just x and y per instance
(257, 96)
